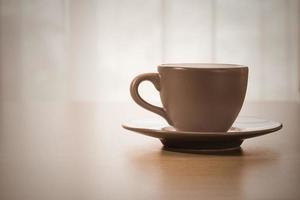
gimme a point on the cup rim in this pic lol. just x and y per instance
(199, 66)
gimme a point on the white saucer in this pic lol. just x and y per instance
(243, 128)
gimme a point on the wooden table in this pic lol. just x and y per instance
(79, 151)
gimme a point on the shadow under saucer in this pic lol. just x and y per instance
(200, 146)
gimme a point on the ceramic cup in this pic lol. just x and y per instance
(196, 97)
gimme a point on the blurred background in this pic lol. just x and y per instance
(90, 50)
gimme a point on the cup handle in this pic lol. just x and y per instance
(155, 80)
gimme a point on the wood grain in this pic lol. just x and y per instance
(79, 151)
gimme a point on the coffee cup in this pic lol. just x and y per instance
(196, 97)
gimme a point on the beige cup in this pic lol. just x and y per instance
(196, 97)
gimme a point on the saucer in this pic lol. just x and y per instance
(243, 128)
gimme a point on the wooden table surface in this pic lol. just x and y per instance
(80, 151)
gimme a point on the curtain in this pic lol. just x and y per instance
(90, 50)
